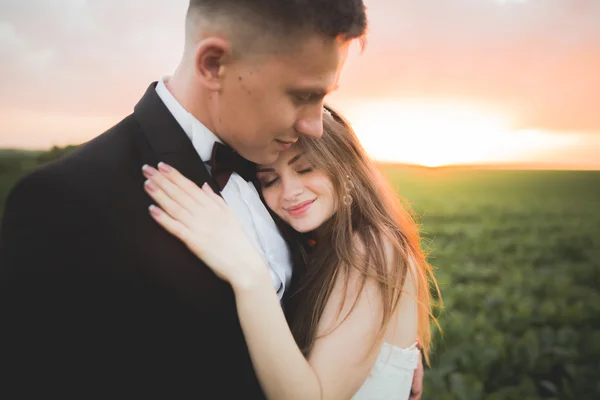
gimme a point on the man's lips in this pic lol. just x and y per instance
(300, 208)
(286, 143)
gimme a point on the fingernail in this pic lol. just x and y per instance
(166, 168)
(150, 186)
(154, 210)
(148, 170)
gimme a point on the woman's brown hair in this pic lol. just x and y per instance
(370, 211)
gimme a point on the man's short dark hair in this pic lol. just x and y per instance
(345, 19)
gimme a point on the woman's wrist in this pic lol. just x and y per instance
(254, 276)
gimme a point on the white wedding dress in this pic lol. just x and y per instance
(392, 374)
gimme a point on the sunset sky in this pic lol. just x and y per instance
(440, 82)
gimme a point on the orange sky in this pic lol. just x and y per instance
(440, 82)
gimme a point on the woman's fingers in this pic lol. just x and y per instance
(213, 196)
(182, 182)
(172, 226)
(172, 190)
(170, 206)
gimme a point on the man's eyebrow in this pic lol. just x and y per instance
(316, 90)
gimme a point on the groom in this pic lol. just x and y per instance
(98, 300)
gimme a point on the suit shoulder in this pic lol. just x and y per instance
(100, 156)
(38, 184)
(115, 142)
(73, 173)
(36, 192)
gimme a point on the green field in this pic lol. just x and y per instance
(518, 260)
(517, 255)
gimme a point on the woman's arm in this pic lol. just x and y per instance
(340, 361)
(342, 358)
(403, 326)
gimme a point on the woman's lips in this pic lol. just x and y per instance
(301, 208)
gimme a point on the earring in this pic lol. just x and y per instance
(348, 184)
(347, 199)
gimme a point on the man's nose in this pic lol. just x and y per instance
(311, 122)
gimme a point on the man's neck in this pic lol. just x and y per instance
(186, 94)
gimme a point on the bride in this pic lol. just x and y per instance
(363, 296)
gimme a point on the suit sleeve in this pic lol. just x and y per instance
(39, 320)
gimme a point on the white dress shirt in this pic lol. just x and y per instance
(239, 194)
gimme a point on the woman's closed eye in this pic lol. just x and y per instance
(265, 183)
(305, 170)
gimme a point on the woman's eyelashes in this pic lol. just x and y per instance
(265, 183)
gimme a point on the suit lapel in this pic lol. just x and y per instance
(168, 140)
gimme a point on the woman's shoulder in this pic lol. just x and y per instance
(389, 252)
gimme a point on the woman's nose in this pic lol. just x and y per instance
(292, 188)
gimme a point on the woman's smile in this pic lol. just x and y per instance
(300, 208)
(291, 188)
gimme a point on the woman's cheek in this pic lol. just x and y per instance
(329, 189)
(326, 185)
(272, 200)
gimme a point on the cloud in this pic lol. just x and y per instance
(77, 55)
(537, 60)
(534, 59)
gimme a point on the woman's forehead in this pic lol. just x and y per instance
(284, 158)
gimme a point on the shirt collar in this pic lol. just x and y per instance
(201, 137)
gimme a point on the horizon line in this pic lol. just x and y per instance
(521, 165)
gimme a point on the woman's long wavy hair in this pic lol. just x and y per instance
(376, 218)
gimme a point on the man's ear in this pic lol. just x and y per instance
(212, 55)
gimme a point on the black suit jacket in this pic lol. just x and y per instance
(97, 300)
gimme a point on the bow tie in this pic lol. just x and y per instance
(225, 161)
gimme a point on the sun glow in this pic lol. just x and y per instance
(443, 133)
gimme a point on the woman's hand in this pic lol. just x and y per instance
(202, 220)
